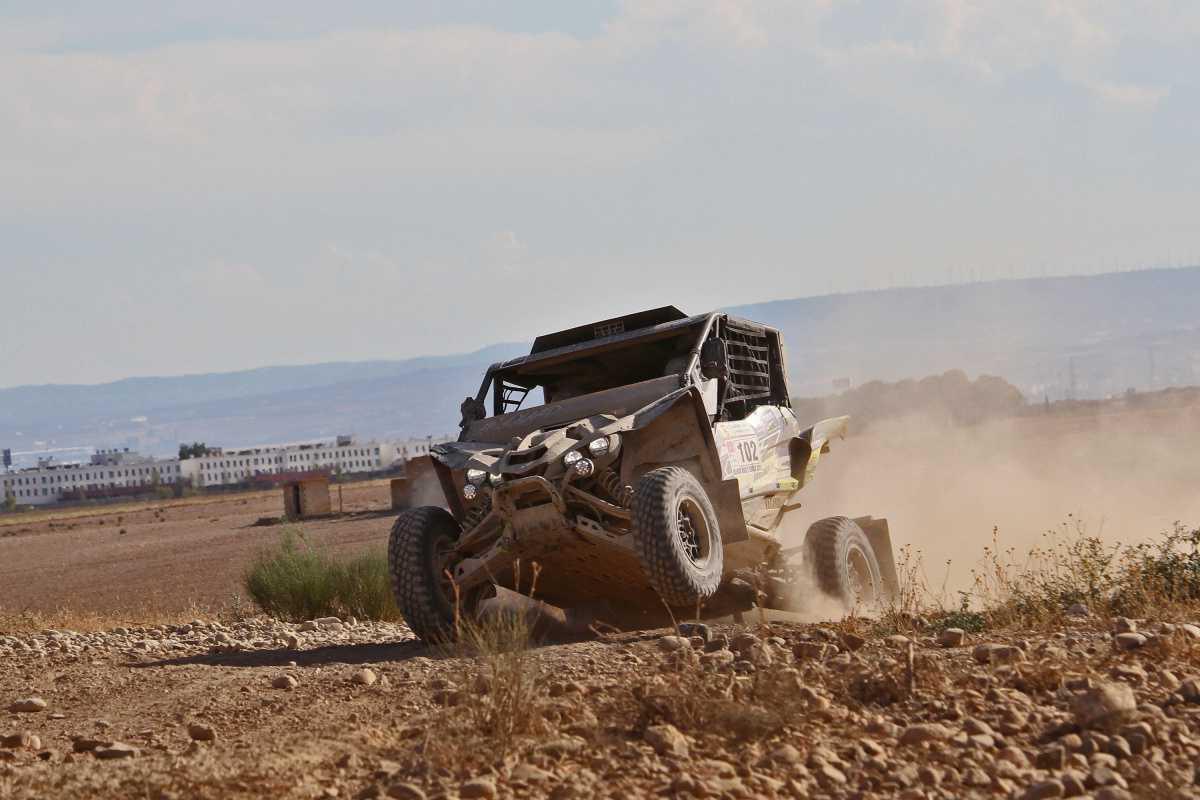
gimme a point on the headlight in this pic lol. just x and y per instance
(476, 476)
(598, 447)
(495, 478)
(469, 491)
(570, 458)
(584, 467)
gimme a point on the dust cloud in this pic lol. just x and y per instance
(1125, 476)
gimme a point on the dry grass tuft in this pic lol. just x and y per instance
(297, 581)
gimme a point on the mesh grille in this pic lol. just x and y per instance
(749, 362)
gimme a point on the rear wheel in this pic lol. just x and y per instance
(677, 537)
(843, 561)
(420, 551)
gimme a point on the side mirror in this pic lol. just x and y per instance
(714, 361)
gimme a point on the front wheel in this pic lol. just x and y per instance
(420, 551)
(843, 561)
(677, 537)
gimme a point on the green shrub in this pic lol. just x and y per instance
(297, 581)
(364, 587)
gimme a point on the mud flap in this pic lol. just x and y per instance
(881, 542)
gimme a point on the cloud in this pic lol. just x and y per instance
(638, 149)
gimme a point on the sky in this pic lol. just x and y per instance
(197, 187)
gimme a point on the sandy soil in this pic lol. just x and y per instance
(785, 710)
(163, 557)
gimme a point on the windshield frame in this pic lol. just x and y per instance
(504, 372)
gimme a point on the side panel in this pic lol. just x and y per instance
(756, 451)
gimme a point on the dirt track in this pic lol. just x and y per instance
(781, 711)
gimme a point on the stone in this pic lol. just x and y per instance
(364, 677)
(690, 629)
(293, 642)
(925, 732)
(673, 643)
(951, 637)
(285, 682)
(786, 754)
(1129, 641)
(115, 750)
(308, 627)
(816, 651)
(28, 705)
(405, 791)
(1124, 625)
(24, 739)
(1043, 790)
(667, 740)
(528, 773)
(1052, 758)
(1107, 704)
(1078, 610)
(852, 642)
(477, 788)
(202, 733)
(743, 642)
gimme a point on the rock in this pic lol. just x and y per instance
(477, 788)
(1052, 758)
(285, 682)
(308, 627)
(1129, 641)
(1108, 704)
(115, 750)
(667, 740)
(1124, 625)
(405, 791)
(898, 641)
(28, 705)
(1112, 793)
(324, 621)
(1078, 610)
(743, 642)
(951, 637)
(364, 677)
(851, 642)
(786, 754)
(672, 644)
(1043, 790)
(816, 651)
(690, 629)
(201, 732)
(528, 773)
(925, 732)
(293, 642)
(24, 739)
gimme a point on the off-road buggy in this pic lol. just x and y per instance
(645, 465)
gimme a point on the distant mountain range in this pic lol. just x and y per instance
(1051, 337)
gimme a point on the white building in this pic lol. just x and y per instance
(51, 481)
(341, 456)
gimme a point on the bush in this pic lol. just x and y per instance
(297, 581)
(1076, 567)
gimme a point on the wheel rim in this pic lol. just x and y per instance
(862, 581)
(694, 534)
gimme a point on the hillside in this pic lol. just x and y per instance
(1055, 337)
